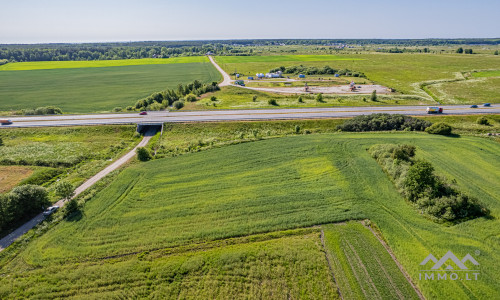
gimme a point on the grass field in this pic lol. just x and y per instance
(84, 90)
(10, 176)
(49, 65)
(238, 98)
(473, 91)
(493, 73)
(268, 186)
(362, 266)
(403, 72)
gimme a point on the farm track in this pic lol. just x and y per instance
(13, 236)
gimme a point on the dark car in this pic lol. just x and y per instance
(487, 104)
(473, 106)
(142, 113)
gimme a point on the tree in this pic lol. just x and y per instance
(71, 208)
(254, 98)
(64, 190)
(319, 97)
(419, 178)
(27, 200)
(373, 97)
(300, 99)
(190, 98)
(143, 154)
(1, 142)
(439, 128)
(178, 104)
(460, 50)
(496, 52)
(213, 98)
(468, 51)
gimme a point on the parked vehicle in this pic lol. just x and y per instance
(473, 106)
(487, 104)
(239, 82)
(5, 122)
(50, 210)
(142, 113)
(434, 110)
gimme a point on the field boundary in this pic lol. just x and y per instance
(325, 249)
(400, 266)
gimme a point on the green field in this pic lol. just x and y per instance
(403, 72)
(473, 91)
(84, 90)
(49, 65)
(493, 73)
(362, 266)
(267, 186)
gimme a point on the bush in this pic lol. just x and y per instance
(381, 122)
(297, 129)
(178, 104)
(319, 97)
(143, 154)
(272, 102)
(117, 109)
(71, 207)
(129, 108)
(1, 142)
(439, 128)
(190, 98)
(300, 99)
(213, 98)
(254, 98)
(481, 121)
(373, 96)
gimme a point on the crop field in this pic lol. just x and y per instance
(403, 72)
(260, 188)
(10, 176)
(84, 90)
(238, 98)
(362, 266)
(473, 91)
(49, 65)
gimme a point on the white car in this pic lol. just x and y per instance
(50, 210)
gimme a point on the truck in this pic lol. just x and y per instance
(239, 82)
(5, 122)
(434, 110)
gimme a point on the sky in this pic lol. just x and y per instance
(51, 21)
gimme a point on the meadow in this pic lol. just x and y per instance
(49, 65)
(88, 89)
(260, 188)
(403, 72)
(473, 91)
(10, 176)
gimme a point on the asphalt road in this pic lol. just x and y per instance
(13, 236)
(237, 115)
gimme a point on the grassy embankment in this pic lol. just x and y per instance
(93, 86)
(267, 186)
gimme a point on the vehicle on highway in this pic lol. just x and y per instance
(5, 122)
(487, 104)
(434, 110)
(142, 113)
(473, 106)
(50, 210)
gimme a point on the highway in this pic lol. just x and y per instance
(235, 115)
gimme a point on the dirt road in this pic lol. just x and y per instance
(227, 78)
(9, 239)
(336, 89)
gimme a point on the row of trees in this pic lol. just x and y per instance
(416, 181)
(163, 99)
(466, 51)
(383, 122)
(326, 70)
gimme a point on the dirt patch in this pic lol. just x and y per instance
(10, 176)
(338, 89)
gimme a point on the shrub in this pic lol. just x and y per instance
(297, 129)
(1, 142)
(272, 102)
(439, 128)
(254, 98)
(129, 108)
(481, 121)
(300, 99)
(178, 104)
(190, 98)
(380, 122)
(213, 98)
(71, 207)
(117, 109)
(143, 154)
(373, 96)
(319, 97)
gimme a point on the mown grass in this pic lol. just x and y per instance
(279, 184)
(84, 90)
(49, 65)
(402, 71)
(362, 266)
(238, 98)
